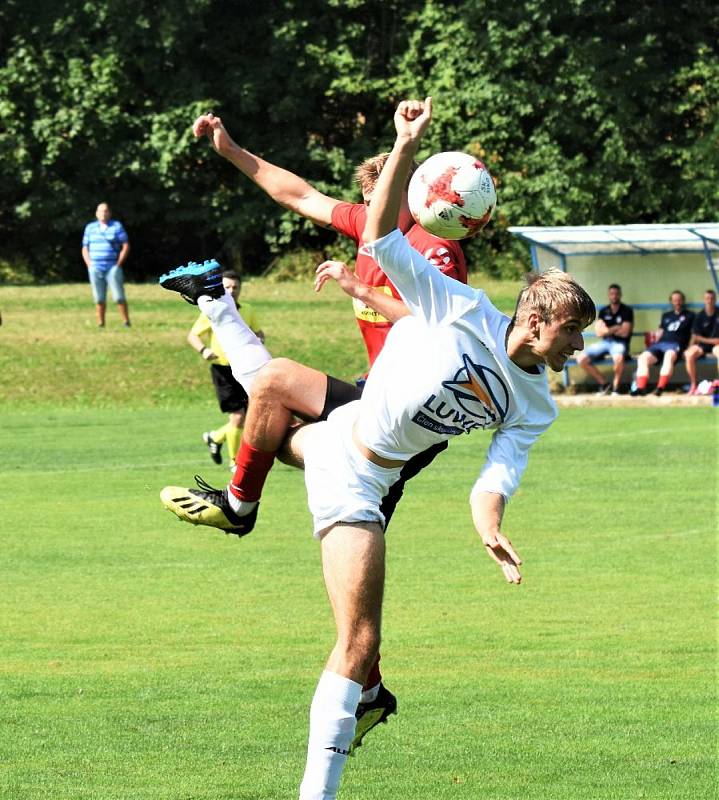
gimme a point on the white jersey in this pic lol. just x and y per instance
(445, 371)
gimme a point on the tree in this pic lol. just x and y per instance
(585, 112)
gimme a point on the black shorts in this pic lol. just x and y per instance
(230, 394)
(338, 393)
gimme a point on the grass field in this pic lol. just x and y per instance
(52, 354)
(144, 658)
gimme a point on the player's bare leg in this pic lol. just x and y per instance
(644, 361)
(292, 450)
(690, 356)
(353, 565)
(586, 364)
(618, 372)
(282, 390)
(124, 313)
(666, 371)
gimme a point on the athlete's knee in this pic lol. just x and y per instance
(270, 377)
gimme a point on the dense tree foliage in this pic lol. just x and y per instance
(586, 113)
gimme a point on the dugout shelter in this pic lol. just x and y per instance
(647, 261)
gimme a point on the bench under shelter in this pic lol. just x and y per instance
(647, 261)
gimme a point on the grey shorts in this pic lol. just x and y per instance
(100, 280)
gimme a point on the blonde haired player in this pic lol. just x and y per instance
(455, 365)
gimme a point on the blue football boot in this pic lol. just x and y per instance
(195, 280)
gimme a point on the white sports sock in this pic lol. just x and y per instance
(370, 695)
(332, 728)
(240, 507)
(245, 352)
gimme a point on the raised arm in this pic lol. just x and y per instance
(283, 186)
(410, 120)
(426, 291)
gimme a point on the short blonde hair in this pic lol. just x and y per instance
(554, 292)
(367, 173)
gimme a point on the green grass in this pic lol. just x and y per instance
(144, 658)
(51, 353)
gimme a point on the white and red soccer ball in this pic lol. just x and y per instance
(452, 195)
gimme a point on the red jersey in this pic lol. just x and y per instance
(349, 219)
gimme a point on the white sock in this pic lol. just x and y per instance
(240, 507)
(332, 728)
(370, 695)
(245, 352)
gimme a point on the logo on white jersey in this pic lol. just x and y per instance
(478, 399)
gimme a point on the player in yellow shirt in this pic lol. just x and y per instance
(230, 394)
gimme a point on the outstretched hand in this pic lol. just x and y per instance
(211, 126)
(412, 118)
(500, 550)
(338, 271)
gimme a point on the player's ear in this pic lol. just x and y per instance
(534, 321)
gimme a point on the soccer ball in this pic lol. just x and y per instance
(452, 195)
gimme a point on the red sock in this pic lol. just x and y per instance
(642, 381)
(251, 469)
(374, 677)
(663, 381)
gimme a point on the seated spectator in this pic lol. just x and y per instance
(705, 337)
(614, 329)
(671, 339)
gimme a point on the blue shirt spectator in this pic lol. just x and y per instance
(105, 247)
(104, 243)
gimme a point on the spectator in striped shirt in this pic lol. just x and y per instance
(105, 248)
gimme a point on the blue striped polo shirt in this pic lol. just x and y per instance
(104, 245)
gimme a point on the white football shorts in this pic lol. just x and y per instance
(342, 485)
